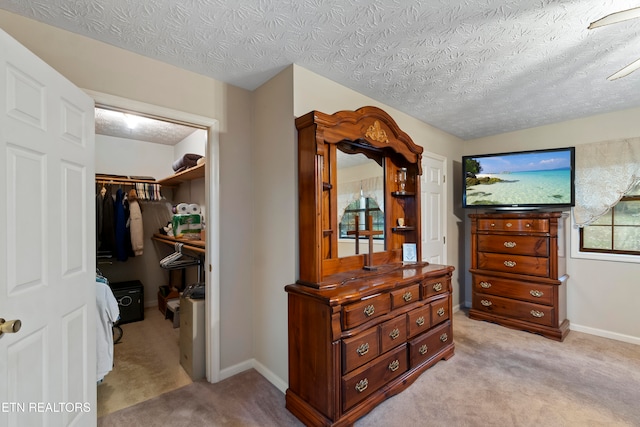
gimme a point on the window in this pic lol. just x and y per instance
(362, 208)
(618, 231)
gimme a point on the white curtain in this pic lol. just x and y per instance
(605, 171)
(349, 192)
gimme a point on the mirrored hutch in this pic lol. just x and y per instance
(366, 316)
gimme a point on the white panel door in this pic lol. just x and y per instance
(433, 209)
(47, 261)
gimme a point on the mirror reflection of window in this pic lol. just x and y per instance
(362, 209)
(360, 182)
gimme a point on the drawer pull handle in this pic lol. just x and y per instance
(437, 286)
(363, 349)
(509, 244)
(393, 366)
(536, 313)
(407, 297)
(369, 310)
(493, 224)
(485, 285)
(423, 349)
(444, 337)
(394, 334)
(440, 312)
(485, 302)
(509, 225)
(536, 293)
(362, 385)
(420, 321)
(510, 264)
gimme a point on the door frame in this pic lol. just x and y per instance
(212, 200)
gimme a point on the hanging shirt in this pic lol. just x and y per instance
(107, 314)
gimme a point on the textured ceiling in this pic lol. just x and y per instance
(131, 126)
(469, 67)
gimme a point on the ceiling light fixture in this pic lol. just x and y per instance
(613, 19)
(131, 120)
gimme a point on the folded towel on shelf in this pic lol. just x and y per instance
(185, 162)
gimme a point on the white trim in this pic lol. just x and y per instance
(212, 198)
(605, 334)
(278, 382)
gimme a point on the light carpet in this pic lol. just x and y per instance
(497, 377)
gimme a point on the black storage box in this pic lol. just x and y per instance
(130, 297)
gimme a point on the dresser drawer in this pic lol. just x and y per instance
(514, 225)
(533, 313)
(405, 296)
(359, 312)
(517, 264)
(419, 320)
(427, 345)
(518, 245)
(436, 286)
(527, 291)
(393, 333)
(361, 383)
(439, 311)
(358, 350)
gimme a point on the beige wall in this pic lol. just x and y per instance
(602, 295)
(103, 68)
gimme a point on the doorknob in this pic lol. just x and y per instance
(9, 327)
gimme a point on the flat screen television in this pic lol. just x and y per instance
(523, 180)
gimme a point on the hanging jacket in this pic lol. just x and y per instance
(121, 252)
(136, 226)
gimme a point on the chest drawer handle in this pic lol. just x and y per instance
(485, 285)
(509, 244)
(510, 264)
(393, 366)
(362, 385)
(423, 349)
(486, 303)
(536, 313)
(363, 349)
(407, 297)
(394, 334)
(440, 312)
(420, 321)
(369, 310)
(444, 337)
(437, 286)
(509, 225)
(536, 293)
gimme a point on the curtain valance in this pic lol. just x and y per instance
(605, 171)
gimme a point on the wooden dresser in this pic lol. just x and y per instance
(362, 327)
(518, 268)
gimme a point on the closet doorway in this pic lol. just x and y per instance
(152, 135)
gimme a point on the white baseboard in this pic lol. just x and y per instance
(252, 363)
(605, 334)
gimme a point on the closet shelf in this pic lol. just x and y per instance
(111, 179)
(192, 245)
(184, 176)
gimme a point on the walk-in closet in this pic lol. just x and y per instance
(150, 250)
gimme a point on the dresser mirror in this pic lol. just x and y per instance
(360, 190)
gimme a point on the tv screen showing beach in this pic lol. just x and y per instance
(532, 178)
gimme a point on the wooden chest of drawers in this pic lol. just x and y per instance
(353, 345)
(518, 270)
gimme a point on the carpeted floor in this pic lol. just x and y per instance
(146, 364)
(498, 377)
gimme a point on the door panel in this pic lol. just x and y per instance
(433, 209)
(46, 260)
